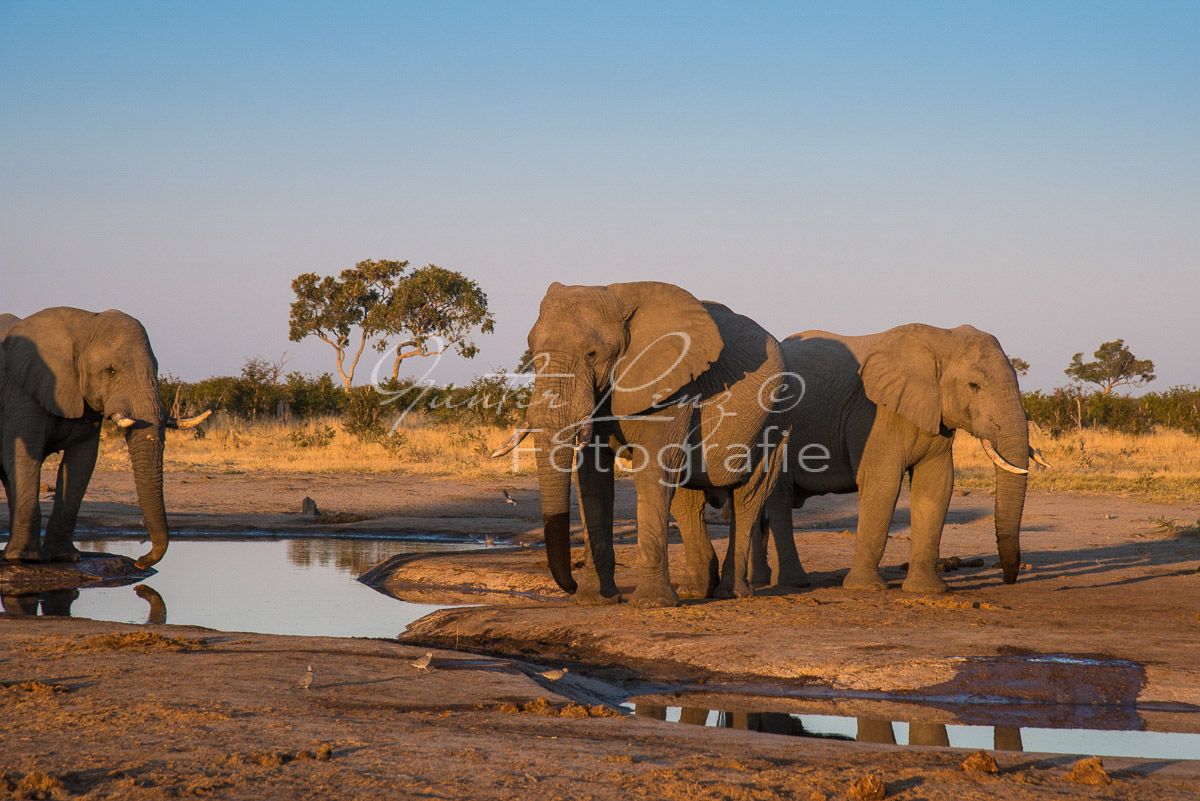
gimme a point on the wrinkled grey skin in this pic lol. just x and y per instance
(64, 371)
(887, 405)
(647, 370)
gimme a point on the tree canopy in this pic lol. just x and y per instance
(1114, 366)
(429, 310)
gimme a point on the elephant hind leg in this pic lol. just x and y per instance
(24, 475)
(700, 568)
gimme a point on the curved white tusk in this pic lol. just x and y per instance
(122, 421)
(188, 422)
(999, 460)
(518, 435)
(1037, 457)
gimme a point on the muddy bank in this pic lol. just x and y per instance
(1113, 588)
(105, 711)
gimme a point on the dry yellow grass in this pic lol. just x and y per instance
(1163, 466)
(322, 446)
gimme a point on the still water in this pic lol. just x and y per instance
(270, 586)
(1083, 742)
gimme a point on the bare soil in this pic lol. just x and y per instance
(102, 710)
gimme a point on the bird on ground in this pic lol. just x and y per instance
(554, 675)
(307, 680)
(424, 662)
(508, 498)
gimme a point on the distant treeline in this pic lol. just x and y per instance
(488, 400)
(491, 400)
(1070, 408)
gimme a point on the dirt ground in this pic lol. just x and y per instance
(1109, 594)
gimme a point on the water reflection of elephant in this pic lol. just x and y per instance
(874, 730)
(54, 603)
(57, 603)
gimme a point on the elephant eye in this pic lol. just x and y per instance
(591, 354)
(111, 371)
(974, 387)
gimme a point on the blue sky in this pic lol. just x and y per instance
(1029, 168)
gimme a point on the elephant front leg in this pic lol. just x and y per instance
(653, 506)
(701, 572)
(932, 485)
(23, 470)
(597, 584)
(878, 489)
(74, 475)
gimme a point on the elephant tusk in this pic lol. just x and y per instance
(1037, 457)
(188, 422)
(518, 436)
(1000, 461)
(122, 421)
(584, 436)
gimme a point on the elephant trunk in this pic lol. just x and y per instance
(561, 402)
(1013, 445)
(146, 455)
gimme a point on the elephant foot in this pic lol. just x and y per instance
(868, 579)
(60, 552)
(693, 587)
(740, 589)
(660, 595)
(30, 553)
(792, 576)
(924, 583)
(760, 576)
(593, 596)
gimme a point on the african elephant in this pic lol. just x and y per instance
(686, 390)
(64, 371)
(878, 407)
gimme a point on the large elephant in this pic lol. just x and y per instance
(64, 371)
(687, 390)
(878, 407)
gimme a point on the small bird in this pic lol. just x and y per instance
(554, 675)
(488, 540)
(508, 498)
(307, 679)
(424, 662)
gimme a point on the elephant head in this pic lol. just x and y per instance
(950, 379)
(82, 365)
(599, 351)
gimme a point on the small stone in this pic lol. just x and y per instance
(309, 507)
(868, 788)
(325, 752)
(982, 762)
(1089, 771)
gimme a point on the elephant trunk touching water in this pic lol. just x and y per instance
(1013, 446)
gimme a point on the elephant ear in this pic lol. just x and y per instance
(672, 339)
(40, 359)
(903, 376)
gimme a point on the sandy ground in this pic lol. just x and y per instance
(168, 711)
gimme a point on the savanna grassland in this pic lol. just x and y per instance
(1162, 466)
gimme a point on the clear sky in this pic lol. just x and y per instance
(1030, 168)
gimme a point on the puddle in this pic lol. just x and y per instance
(1084, 742)
(275, 585)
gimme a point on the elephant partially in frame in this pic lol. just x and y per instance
(688, 391)
(880, 407)
(64, 371)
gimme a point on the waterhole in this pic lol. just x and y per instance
(266, 585)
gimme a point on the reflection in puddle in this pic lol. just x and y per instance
(302, 586)
(1089, 742)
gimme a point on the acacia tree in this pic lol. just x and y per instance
(331, 309)
(1114, 366)
(431, 309)
(1019, 365)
